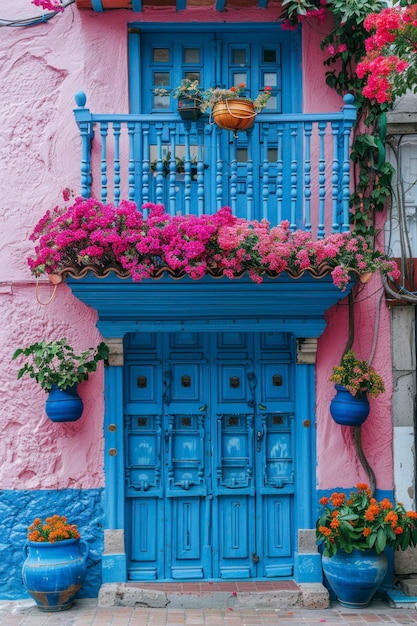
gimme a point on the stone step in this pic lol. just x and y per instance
(217, 595)
(409, 586)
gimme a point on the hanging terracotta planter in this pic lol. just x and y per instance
(236, 114)
(348, 410)
(189, 109)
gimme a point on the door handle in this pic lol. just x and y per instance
(259, 436)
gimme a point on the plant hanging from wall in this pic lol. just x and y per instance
(390, 64)
(357, 376)
(92, 234)
(345, 45)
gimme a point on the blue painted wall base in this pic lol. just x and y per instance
(18, 509)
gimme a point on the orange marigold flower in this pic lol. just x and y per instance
(367, 532)
(412, 514)
(362, 486)
(338, 499)
(386, 504)
(398, 530)
(391, 518)
(334, 523)
(325, 531)
(324, 500)
(371, 513)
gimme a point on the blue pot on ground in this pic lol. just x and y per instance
(54, 572)
(355, 577)
(348, 410)
(64, 405)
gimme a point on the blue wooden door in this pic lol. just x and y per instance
(210, 456)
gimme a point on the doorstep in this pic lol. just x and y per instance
(217, 595)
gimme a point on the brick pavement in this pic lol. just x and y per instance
(87, 613)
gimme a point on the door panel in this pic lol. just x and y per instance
(209, 456)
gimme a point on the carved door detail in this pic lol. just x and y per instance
(209, 456)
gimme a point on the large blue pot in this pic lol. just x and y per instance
(64, 405)
(54, 572)
(355, 577)
(347, 410)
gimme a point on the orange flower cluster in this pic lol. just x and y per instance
(360, 522)
(55, 528)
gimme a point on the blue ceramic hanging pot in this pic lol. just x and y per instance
(347, 410)
(54, 572)
(64, 405)
(355, 577)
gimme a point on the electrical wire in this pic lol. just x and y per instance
(34, 21)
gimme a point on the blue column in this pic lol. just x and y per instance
(307, 560)
(114, 555)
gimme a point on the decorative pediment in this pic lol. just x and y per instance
(210, 304)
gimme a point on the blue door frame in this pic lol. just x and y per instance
(294, 307)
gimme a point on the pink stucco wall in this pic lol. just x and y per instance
(41, 68)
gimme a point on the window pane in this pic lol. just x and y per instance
(161, 79)
(239, 79)
(242, 155)
(272, 155)
(272, 104)
(270, 56)
(193, 76)
(270, 79)
(239, 56)
(192, 55)
(161, 55)
(161, 102)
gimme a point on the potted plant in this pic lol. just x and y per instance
(232, 111)
(179, 165)
(189, 96)
(55, 565)
(58, 369)
(354, 380)
(354, 531)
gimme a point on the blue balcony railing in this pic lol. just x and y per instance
(286, 167)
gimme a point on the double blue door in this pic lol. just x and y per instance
(209, 455)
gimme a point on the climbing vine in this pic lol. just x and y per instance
(345, 45)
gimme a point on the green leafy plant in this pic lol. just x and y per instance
(219, 94)
(346, 47)
(56, 363)
(357, 376)
(359, 522)
(56, 528)
(179, 165)
(188, 89)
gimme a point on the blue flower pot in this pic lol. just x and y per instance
(54, 572)
(64, 405)
(347, 410)
(355, 577)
